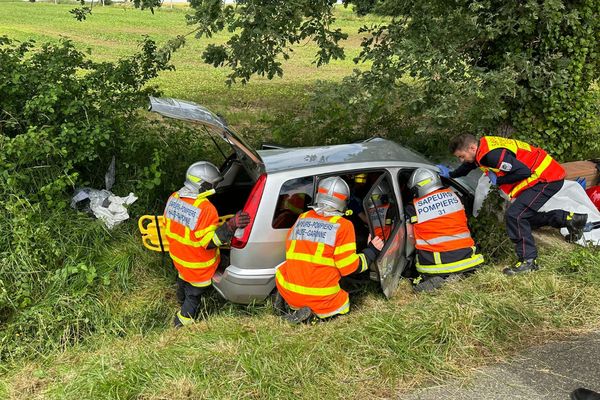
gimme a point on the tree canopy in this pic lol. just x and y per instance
(525, 68)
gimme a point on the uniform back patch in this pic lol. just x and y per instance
(315, 230)
(437, 205)
(182, 212)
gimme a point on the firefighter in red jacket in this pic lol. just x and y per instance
(529, 177)
(320, 250)
(194, 236)
(443, 239)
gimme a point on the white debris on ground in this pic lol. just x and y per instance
(105, 206)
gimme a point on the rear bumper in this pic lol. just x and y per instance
(244, 286)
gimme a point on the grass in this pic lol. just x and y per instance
(381, 348)
(113, 32)
(114, 337)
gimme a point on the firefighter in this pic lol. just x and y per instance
(320, 250)
(380, 211)
(439, 222)
(194, 236)
(528, 176)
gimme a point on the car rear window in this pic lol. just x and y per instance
(294, 198)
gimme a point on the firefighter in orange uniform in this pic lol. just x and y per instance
(443, 239)
(379, 212)
(529, 177)
(194, 235)
(320, 250)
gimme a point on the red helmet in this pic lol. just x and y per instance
(594, 195)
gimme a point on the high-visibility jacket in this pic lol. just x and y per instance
(543, 167)
(319, 251)
(440, 228)
(190, 227)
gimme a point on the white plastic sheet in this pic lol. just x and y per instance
(107, 207)
(573, 198)
(481, 193)
(570, 198)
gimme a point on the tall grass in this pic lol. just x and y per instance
(100, 327)
(380, 348)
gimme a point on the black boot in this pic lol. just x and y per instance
(584, 394)
(575, 224)
(298, 316)
(522, 266)
(429, 284)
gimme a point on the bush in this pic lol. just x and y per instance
(489, 231)
(62, 119)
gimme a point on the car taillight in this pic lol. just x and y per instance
(251, 208)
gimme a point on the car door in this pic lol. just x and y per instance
(382, 207)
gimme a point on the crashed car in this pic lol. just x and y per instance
(276, 185)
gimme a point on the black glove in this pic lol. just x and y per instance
(371, 253)
(239, 221)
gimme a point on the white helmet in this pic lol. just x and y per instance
(202, 175)
(333, 192)
(379, 194)
(424, 181)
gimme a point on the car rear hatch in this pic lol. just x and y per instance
(214, 125)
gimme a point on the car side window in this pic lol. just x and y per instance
(294, 199)
(382, 209)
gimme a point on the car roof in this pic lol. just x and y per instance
(374, 150)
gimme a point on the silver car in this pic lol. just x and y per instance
(275, 185)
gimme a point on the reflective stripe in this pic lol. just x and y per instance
(344, 248)
(443, 239)
(181, 239)
(197, 284)
(424, 182)
(201, 233)
(342, 310)
(314, 259)
(451, 267)
(363, 261)
(184, 320)
(199, 201)
(216, 240)
(334, 194)
(413, 219)
(344, 262)
(318, 258)
(437, 259)
(325, 291)
(207, 238)
(196, 265)
(534, 177)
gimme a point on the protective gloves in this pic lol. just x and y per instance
(444, 171)
(239, 221)
(493, 177)
(225, 232)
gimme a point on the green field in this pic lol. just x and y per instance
(119, 343)
(113, 32)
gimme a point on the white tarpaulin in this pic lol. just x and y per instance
(570, 198)
(105, 205)
(573, 198)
